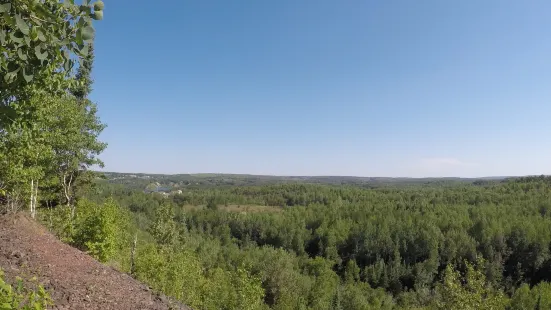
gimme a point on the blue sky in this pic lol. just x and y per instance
(317, 87)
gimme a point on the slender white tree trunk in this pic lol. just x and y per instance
(67, 183)
(35, 199)
(32, 199)
(132, 255)
(66, 190)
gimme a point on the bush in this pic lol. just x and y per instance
(97, 229)
(58, 220)
(22, 297)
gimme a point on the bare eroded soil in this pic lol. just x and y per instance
(74, 279)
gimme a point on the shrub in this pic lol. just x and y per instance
(22, 297)
(96, 229)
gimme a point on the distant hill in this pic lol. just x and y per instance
(175, 181)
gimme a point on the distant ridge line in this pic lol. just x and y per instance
(212, 174)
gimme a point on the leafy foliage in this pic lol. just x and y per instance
(22, 296)
(464, 246)
(48, 128)
(56, 149)
(38, 40)
(537, 297)
(163, 228)
(325, 243)
(98, 229)
(472, 293)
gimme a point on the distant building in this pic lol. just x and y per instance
(156, 188)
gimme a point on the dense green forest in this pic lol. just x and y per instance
(250, 242)
(474, 245)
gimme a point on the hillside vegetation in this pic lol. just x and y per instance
(234, 241)
(50, 271)
(477, 245)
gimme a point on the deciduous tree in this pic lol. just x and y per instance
(39, 40)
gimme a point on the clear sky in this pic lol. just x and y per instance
(318, 87)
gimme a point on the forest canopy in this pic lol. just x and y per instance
(295, 245)
(249, 242)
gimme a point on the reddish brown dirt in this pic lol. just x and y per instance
(74, 279)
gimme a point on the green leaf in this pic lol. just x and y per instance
(66, 54)
(41, 36)
(84, 51)
(27, 77)
(21, 55)
(34, 34)
(16, 39)
(10, 76)
(9, 19)
(88, 34)
(39, 54)
(78, 39)
(85, 8)
(98, 15)
(68, 65)
(3, 37)
(87, 20)
(5, 306)
(21, 24)
(99, 5)
(81, 22)
(65, 42)
(5, 7)
(38, 23)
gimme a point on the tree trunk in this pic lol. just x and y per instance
(32, 199)
(49, 206)
(67, 183)
(132, 256)
(66, 190)
(35, 198)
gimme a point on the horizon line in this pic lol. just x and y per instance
(325, 176)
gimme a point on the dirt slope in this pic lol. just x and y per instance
(74, 279)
